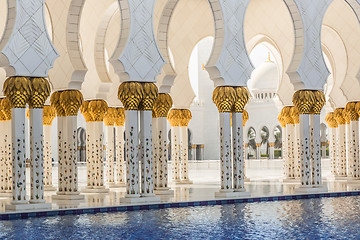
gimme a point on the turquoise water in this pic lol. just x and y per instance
(327, 218)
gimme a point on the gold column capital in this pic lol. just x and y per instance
(281, 119)
(2, 114)
(6, 108)
(339, 116)
(150, 95)
(49, 115)
(286, 114)
(18, 91)
(71, 101)
(85, 111)
(55, 103)
(319, 102)
(331, 120)
(110, 116)
(40, 92)
(98, 109)
(304, 101)
(131, 95)
(224, 98)
(245, 117)
(242, 98)
(120, 117)
(185, 117)
(295, 114)
(272, 144)
(162, 105)
(174, 117)
(352, 111)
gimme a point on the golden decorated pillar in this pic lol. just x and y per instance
(18, 91)
(333, 125)
(119, 147)
(131, 95)
(49, 115)
(174, 118)
(340, 143)
(109, 121)
(98, 109)
(225, 98)
(289, 165)
(70, 102)
(353, 167)
(295, 115)
(146, 148)
(39, 93)
(161, 110)
(185, 117)
(242, 98)
(304, 101)
(315, 141)
(90, 145)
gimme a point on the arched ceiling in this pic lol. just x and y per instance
(191, 22)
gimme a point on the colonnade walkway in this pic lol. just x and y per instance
(265, 180)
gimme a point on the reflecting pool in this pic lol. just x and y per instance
(327, 218)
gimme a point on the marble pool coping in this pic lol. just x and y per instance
(154, 206)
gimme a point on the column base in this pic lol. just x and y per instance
(50, 188)
(184, 182)
(311, 189)
(27, 206)
(231, 194)
(95, 190)
(117, 185)
(163, 191)
(176, 181)
(337, 178)
(352, 180)
(68, 197)
(132, 200)
(6, 194)
(291, 180)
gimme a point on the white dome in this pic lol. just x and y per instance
(265, 78)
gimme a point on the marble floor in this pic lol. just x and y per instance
(265, 180)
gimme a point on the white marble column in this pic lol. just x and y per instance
(238, 157)
(333, 150)
(99, 155)
(120, 160)
(48, 184)
(297, 151)
(341, 143)
(67, 104)
(3, 180)
(305, 150)
(184, 150)
(353, 141)
(132, 154)
(61, 167)
(110, 158)
(8, 154)
(90, 154)
(290, 137)
(271, 150)
(36, 156)
(316, 148)
(18, 155)
(70, 143)
(175, 157)
(225, 153)
(146, 155)
(163, 155)
(155, 150)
